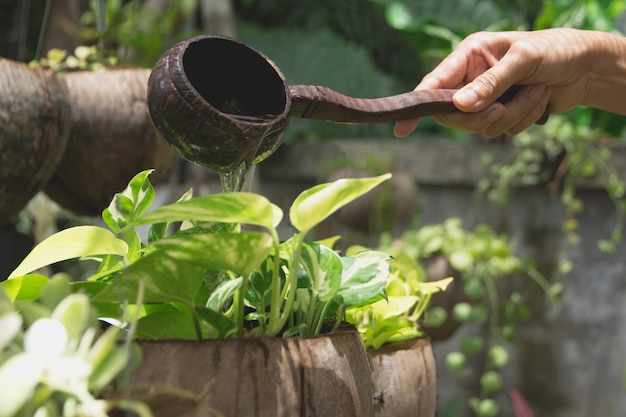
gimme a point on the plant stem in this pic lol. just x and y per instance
(276, 302)
(319, 319)
(135, 319)
(420, 308)
(292, 283)
(543, 283)
(196, 321)
(494, 301)
(239, 305)
(311, 316)
(340, 313)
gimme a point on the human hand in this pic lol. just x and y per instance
(552, 65)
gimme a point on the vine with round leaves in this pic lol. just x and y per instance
(482, 258)
(579, 154)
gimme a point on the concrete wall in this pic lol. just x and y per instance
(567, 361)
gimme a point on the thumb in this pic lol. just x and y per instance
(484, 90)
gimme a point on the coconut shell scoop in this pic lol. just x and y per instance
(220, 103)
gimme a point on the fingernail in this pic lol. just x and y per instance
(404, 128)
(466, 97)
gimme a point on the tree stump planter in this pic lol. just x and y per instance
(404, 379)
(327, 375)
(34, 128)
(112, 138)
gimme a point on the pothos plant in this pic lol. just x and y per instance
(399, 316)
(482, 258)
(204, 271)
(54, 358)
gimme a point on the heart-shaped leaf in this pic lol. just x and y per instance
(323, 268)
(244, 208)
(165, 278)
(237, 252)
(314, 205)
(71, 243)
(364, 276)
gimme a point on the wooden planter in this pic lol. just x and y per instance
(112, 138)
(34, 128)
(328, 375)
(404, 379)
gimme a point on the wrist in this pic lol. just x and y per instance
(606, 86)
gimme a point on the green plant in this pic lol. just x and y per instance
(211, 279)
(84, 58)
(482, 258)
(579, 154)
(398, 316)
(61, 364)
(134, 32)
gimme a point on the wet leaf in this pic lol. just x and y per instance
(314, 205)
(71, 243)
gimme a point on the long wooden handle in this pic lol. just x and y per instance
(322, 103)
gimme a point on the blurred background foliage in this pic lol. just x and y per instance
(366, 48)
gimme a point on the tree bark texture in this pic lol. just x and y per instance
(34, 128)
(322, 376)
(404, 379)
(112, 138)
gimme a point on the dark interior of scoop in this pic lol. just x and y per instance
(234, 79)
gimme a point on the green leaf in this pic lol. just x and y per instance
(323, 268)
(364, 276)
(394, 306)
(237, 252)
(258, 290)
(384, 321)
(314, 205)
(490, 382)
(56, 55)
(103, 346)
(432, 287)
(11, 325)
(224, 326)
(25, 288)
(455, 361)
(222, 293)
(245, 208)
(131, 203)
(71, 243)
(113, 364)
(158, 230)
(169, 324)
(461, 259)
(73, 312)
(399, 16)
(498, 356)
(31, 312)
(485, 407)
(18, 378)
(471, 345)
(165, 278)
(55, 290)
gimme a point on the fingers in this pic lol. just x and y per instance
(526, 108)
(405, 127)
(448, 74)
(488, 86)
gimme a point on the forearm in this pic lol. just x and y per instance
(606, 86)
